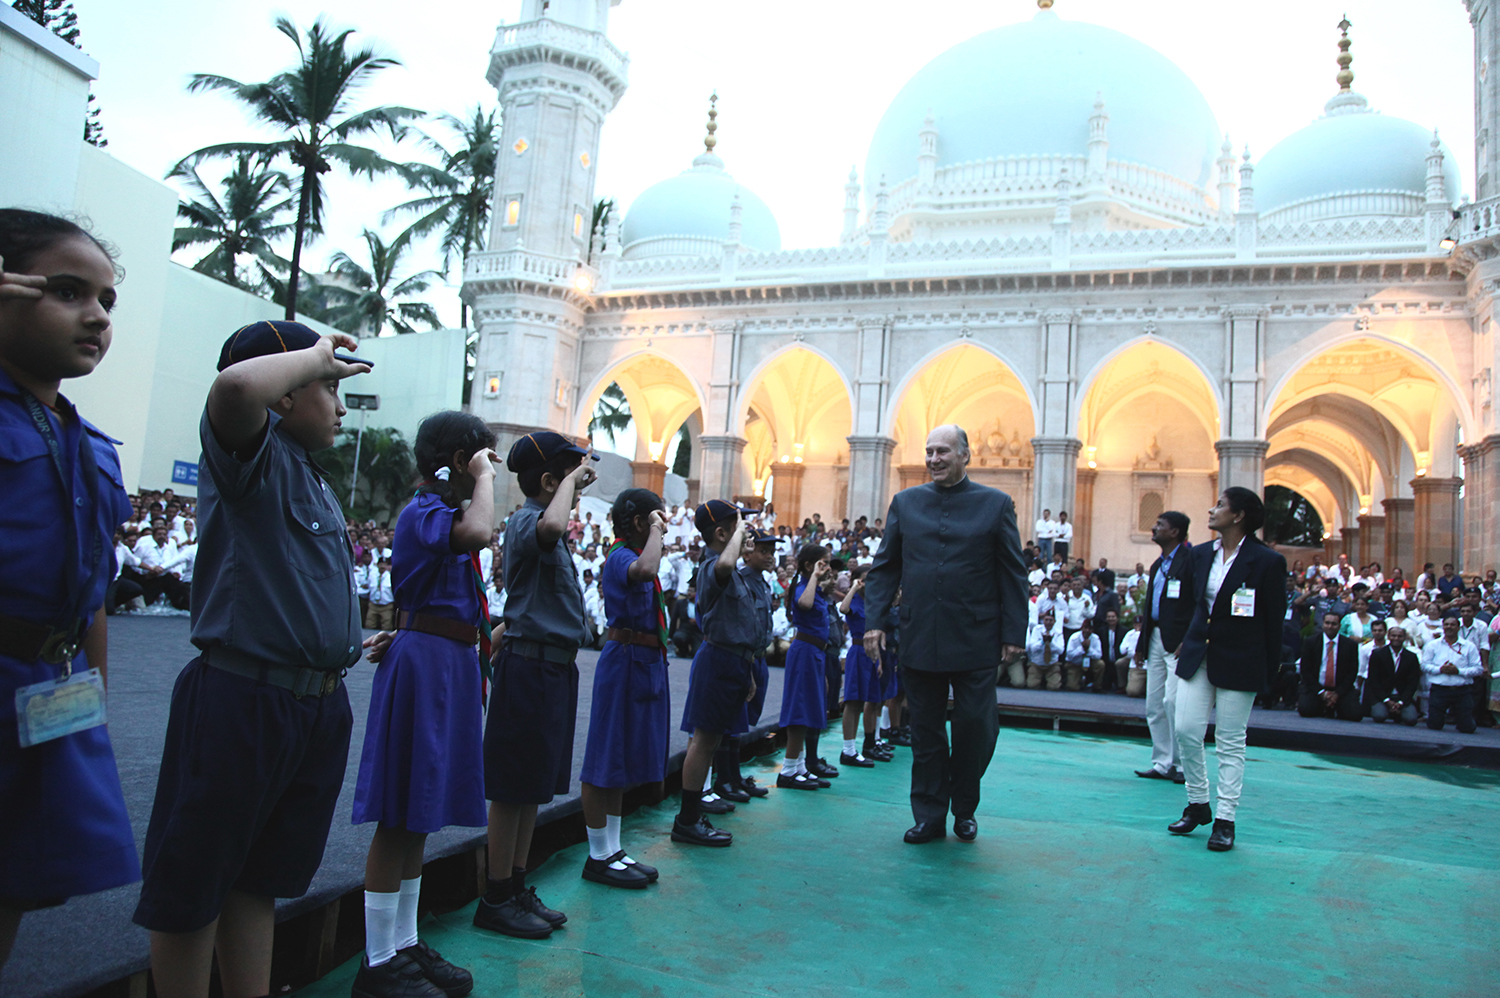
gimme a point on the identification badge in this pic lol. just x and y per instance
(55, 708)
(1242, 604)
(1174, 588)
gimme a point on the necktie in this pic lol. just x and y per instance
(1328, 667)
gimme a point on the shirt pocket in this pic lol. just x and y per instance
(314, 539)
(21, 443)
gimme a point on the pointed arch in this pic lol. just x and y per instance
(1148, 399)
(902, 387)
(1211, 415)
(660, 391)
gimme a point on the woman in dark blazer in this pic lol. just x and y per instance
(1230, 654)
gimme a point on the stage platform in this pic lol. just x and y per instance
(1350, 876)
(90, 943)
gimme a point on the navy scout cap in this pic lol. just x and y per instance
(270, 336)
(762, 536)
(536, 449)
(713, 512)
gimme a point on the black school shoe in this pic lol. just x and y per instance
(820, 768)
(650, 871)
(799, 781)
(400, 977)
(899, 736)
(880, 752)
(534, 905)
(857, 761)
(749, 786)
(512, 917)
(602, 871)
(455, 982)
(713, 804)
(731, 792)
(700, 833)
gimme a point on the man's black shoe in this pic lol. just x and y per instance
(1222, 839)
(512, 917)
(701, 833)
(399, 977)
(455, 982)
(534, 905)
(1153, 774)
(925, 831)
(602, 871)
(798, 781)
(713, 804)
(731, 792)
(749, 786)
(1192, 816)
(857, 761)
(1178, 776)
(967, 829)
(820, 768)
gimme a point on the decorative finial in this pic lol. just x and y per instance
(713, 126)
(1346, 75)
(1044, 4)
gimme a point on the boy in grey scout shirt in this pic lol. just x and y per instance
(258, 735)
(759, 557)
(528, 736)
(722, 678)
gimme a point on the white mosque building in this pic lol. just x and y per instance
(1052, 245)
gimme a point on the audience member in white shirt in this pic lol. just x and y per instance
(1046, 533)
(1084, 652)
(1451, 665)
(1044, 654)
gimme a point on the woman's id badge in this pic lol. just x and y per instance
(1242, 604)
(54, 708)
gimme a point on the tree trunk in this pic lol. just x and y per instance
(304, 206)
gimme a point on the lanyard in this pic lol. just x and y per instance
(89, 469)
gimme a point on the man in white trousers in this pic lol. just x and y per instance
(1165, 615)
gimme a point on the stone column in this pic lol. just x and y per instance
(1481, 547)
(1350, 542)
(1436, 521)
(869, 476)
(1083, 518)
(723, 467)
(1242, 463)
(788, 492)
(1371, 539)
(1055, 476)
(1400, 538)
(1333, 544)
(648, 475)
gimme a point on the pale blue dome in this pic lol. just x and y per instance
(1352, 149)
(697, 202)
(1029, 88)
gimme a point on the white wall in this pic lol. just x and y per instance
(44, 96)
(415, 375)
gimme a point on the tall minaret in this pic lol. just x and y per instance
(1484, 15)
(558, 76)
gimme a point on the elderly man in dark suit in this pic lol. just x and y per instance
(952, 548)
(1330, 666)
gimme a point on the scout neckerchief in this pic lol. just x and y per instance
(661, 599)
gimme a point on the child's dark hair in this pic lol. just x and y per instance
(807, 558)
(559, 467)
(24, 234)
(439, 436)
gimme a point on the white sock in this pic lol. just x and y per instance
(885, 718)
(802, 762)
(789, 765)
(406, 913)
(599, 842)
(708, 781)
(849, 747)
(612, 835)
(380, 926)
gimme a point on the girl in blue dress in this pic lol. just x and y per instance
(422, 767)
(804, 706)
(630, 719)
(63, 826)
(864, 680)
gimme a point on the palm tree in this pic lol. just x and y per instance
(611, 412)
(247, 217)
(460, 195)
(364, 299)
(312, 103)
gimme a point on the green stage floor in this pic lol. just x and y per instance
(1350, 877)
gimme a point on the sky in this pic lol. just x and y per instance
(802, 84)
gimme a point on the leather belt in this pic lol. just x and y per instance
(818, 643)
(626, 636)
(556, 654)
(748, 654)
(443, 627)
(301, 681)
(28, 641)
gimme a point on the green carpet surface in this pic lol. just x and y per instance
(1349, 877)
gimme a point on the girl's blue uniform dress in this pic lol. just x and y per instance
(422, 766)
(64, 830)
(862, 681)
(630, 719)
(804, 695)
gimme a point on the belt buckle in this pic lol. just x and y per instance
(60, 647)
(330, 684)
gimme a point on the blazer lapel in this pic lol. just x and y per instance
(1243, 562)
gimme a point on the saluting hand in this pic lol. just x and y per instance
(483, 463)
(582, 476)
(659, 521)
(20, 286)
(332, 366)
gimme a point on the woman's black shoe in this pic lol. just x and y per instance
(1192, 816)
(1222, 839)
(455, 982)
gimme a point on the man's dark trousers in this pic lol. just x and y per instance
(942, 780)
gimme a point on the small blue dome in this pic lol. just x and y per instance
(1351, 149)
(1029, 89)
(697, 202)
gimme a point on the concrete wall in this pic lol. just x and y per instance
(45, 83)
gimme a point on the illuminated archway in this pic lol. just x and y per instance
(661, 396)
